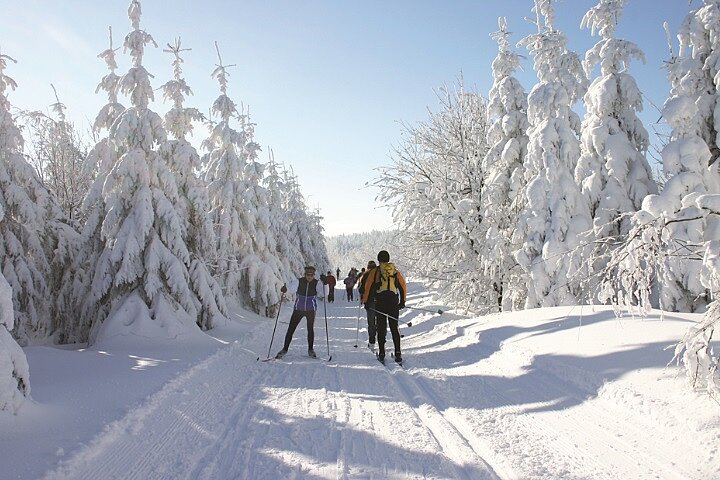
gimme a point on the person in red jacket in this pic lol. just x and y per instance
(331, 281)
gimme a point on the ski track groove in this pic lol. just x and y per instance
(440, 427)
(209, 466)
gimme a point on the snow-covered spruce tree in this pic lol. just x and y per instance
(613, 172)
(434, 188)
(32, 234)
(14, 370)
(306, 229)
(669, 232)
(194, 203)
(556, 214)
(247, 265)
(142, 272)
(98, 164)
(675, 238)
(503, 194)
(288, 252)
(690, 159)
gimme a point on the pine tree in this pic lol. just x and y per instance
(247, 266)
(98, 164)
(278, 192)
(14, 372)
(23, 201)
(194, 204)
(556, 214)
(503, 197)
(612, 172)
(672, 216)
(305, 228)
(144, 261)
(679, 226)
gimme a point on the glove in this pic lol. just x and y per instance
(402, 305)
(283, 289)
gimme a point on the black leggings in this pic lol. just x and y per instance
(387, 312)
(295, 321)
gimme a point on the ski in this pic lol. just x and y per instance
(389, 365)
(282, 359)
(400, 362)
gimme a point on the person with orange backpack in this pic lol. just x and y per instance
(386, 287)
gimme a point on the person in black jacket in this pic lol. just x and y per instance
(386, 287)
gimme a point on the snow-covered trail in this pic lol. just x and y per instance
(467, 406)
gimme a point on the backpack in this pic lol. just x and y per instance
(387, 281)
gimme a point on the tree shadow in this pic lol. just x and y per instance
(554, 381)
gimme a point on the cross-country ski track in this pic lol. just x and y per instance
(467, 405)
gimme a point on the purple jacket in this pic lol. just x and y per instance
(306, 295)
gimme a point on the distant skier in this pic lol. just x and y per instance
(386, 286)
(331, 282)
(306, 295)
(350, 284)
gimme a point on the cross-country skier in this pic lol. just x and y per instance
(306, 294)
(386, 286)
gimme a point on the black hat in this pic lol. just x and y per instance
(309, 269)
(383, 256)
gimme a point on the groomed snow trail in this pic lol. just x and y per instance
(465, 407)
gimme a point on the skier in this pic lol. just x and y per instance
(337, 273)
(331, 282)
(306, 294)
(349, 284)
(369, 308)
(386, 286)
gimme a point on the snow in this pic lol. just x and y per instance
(563, 392)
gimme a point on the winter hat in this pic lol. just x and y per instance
(383, 256)
(309, 269)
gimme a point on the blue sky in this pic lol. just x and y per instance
(328, 82)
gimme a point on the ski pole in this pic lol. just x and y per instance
(357, 328)
(327, 335)
(439, 312)
(282, 297)
(409, 324)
